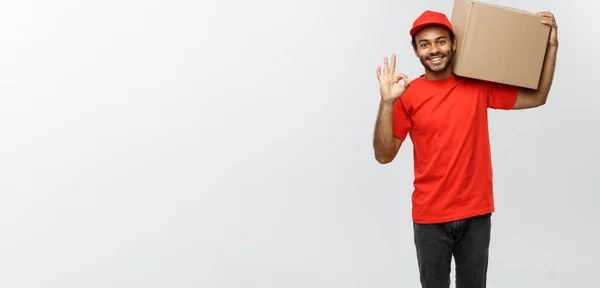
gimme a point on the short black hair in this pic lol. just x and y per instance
(414, 42)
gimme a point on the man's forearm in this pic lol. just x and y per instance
(547, 75)
(383, 140)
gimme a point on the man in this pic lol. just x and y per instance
(446, 118)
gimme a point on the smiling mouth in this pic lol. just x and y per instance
(436, 59)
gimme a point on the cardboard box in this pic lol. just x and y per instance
(498, 44)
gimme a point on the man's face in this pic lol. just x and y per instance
(434, 48)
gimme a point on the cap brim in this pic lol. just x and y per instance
(416, 29)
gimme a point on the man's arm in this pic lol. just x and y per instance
(529, 98)
(385, 143)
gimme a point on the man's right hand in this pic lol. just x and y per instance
(389, 81)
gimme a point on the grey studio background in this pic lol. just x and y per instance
(227, 144)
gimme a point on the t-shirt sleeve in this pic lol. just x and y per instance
(500, 96)
(401, 120)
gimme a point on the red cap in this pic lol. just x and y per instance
(430, 18)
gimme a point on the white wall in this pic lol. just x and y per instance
(228, 144)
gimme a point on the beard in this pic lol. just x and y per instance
(446, 60)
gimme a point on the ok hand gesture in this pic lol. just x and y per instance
(390, 87)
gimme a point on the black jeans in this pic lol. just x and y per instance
(468, 240)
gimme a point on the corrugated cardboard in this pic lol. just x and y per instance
(498, 44)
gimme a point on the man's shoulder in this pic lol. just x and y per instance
(470, 82)
(417, 84)
(481, 83)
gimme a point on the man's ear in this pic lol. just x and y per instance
(454, 44)
(414, 46)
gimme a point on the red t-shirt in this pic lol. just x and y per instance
(447, 121)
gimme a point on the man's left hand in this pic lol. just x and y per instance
(548, 19)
